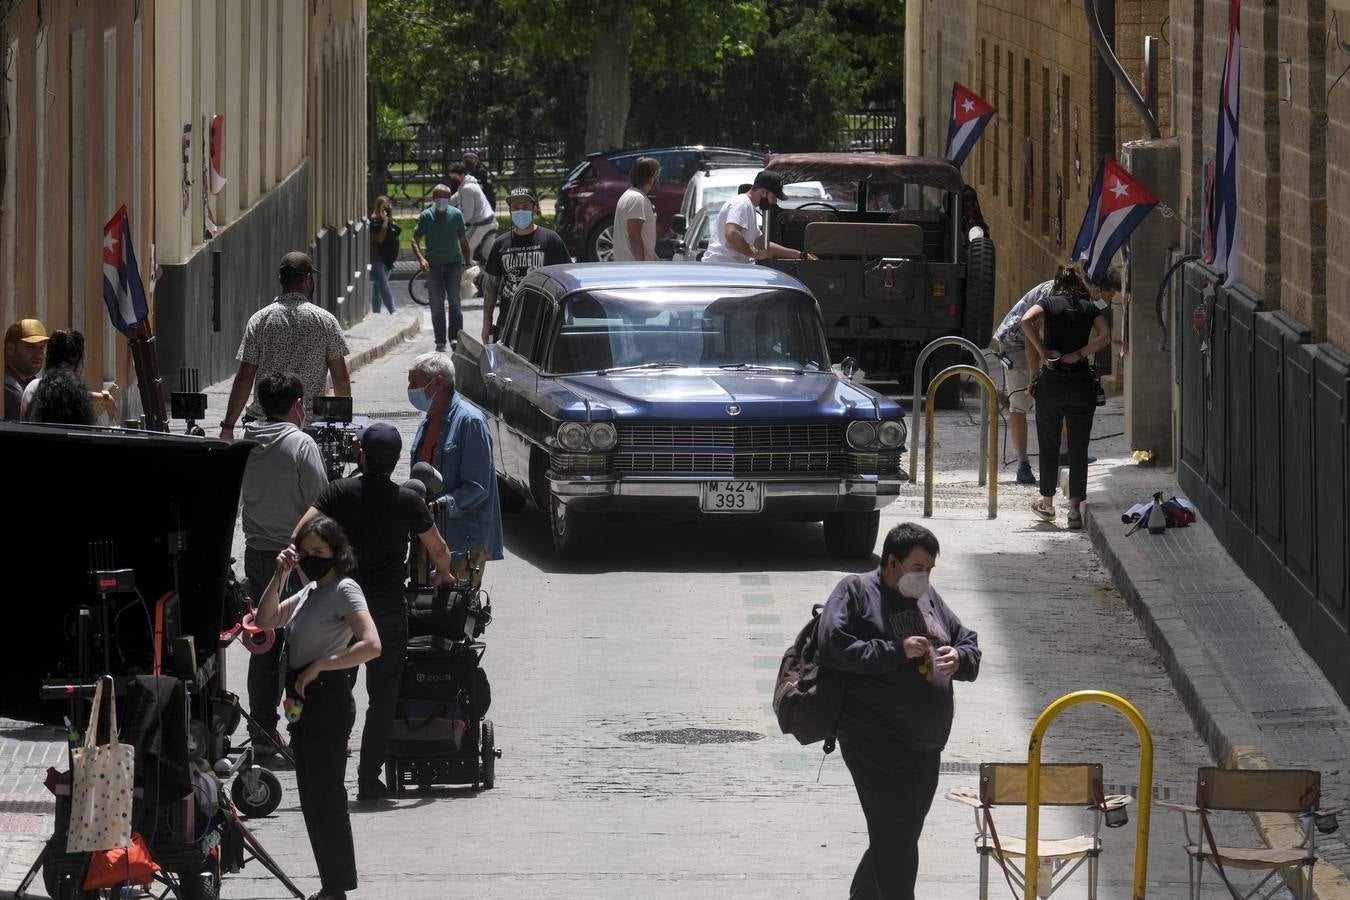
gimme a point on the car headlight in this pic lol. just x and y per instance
(571, 435)
(861, 435)
(891, 434)
(603, 436)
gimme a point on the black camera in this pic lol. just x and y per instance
(333, 409)
(333, 430)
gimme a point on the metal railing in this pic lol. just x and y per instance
(988, 424)
(986, 403)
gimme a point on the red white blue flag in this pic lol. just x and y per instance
(123, 291)
(970, 113)
(1224, 215)
(1117, 205)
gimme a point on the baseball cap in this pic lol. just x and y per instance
(522, 193)
(29, 331)
(771, 182)
(382, 445)
(297, 263)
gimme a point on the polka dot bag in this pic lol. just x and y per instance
(101, 785)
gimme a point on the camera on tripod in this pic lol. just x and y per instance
(333, 430)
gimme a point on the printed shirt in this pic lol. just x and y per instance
(514, 256)
(1009, 332)
(441, 234)
(293, 335)
(471, 513)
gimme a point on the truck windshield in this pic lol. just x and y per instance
(689, 326)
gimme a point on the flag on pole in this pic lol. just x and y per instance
(1224, 215)
(217, 157)
(1117, 205)
(970, 113)
(123, 291)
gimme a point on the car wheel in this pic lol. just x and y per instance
(979, 316)
(511, 500)
(949, 393)
(852, 535)
(600, 245)
(570, 530)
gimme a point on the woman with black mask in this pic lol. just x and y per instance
(1066, 328)
(328, 631)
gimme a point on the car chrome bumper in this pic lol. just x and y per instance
(854, 492)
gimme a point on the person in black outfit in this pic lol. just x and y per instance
(1066, 328)
(378, 515)
(474, 164)
(383, 254)
(515, 254)
(897, 646)
(328, 630)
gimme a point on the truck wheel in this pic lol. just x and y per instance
(949, 393)
(979, 317)
(600, 244)
(570, 529)
(852, 535)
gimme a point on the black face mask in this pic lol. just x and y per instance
(765, 203)
(316, 567)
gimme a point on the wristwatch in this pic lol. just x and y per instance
(229, 425)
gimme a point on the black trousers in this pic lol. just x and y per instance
(895, 787)
(319, 742)
(382, 680)
(1065, 397)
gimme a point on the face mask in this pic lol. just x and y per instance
(765, 203)
(316, 567)
(521, 218)
(913, 584)
(442, 204)
(419, 398)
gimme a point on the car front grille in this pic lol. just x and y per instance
(573, 464)
(738, 465)
(884, 462)
(716, 435)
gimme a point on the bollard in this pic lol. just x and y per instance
(985, 401)
(988, 429)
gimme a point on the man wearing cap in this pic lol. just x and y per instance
(472, 203)
(290, 334)
(474, 164)
(25, 348)
(735, 234)
(283, 477)
(526, 247)
(377, 516)
(442, 227)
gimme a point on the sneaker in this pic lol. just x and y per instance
(1045, 510)
(1024, 474)
(440, 348)
(269, 745)
(1075, 520)
(328, 895)
(373, 789)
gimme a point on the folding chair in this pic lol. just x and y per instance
(1062, 784)
(1294, 791)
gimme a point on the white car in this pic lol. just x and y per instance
(704, 195)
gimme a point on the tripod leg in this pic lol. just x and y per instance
(283, 751)
(33, 870)
(268, 863)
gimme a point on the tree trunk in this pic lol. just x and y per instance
(608, 87)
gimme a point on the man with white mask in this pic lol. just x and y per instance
(897, 647)
(442, 227)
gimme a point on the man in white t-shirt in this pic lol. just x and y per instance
(635, 216)
(735, 235)
(472, 202)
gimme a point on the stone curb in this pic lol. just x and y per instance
(370, 354)
(1221, 723)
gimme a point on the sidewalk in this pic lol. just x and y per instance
(1257, 698)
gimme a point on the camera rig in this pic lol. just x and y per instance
(334, 428)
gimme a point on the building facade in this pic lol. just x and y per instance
(113, 104)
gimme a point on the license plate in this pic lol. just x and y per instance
(731, 497)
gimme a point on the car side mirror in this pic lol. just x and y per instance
(849, 367)
(678, 223)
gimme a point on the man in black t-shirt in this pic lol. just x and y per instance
(524, 248)
(377, 516)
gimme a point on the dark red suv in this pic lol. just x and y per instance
(587, 199)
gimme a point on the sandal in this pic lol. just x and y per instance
(1046, 513)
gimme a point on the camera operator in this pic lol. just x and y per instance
(378, 515)
(283, 478)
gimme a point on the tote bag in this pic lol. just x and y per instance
(101, 786)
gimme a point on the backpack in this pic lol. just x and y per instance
(806, 698)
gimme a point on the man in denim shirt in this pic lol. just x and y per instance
(455, 438)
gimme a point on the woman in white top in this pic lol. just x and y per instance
(328, 631)
(65, 349)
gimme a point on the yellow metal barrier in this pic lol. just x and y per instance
(1145, 783)
(989, 422)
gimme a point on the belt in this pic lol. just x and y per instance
(489, 220)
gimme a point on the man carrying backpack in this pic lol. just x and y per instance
(897, 647)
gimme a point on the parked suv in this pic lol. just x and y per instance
(587, 199)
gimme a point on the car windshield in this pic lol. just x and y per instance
(689, 326)
(716, 195)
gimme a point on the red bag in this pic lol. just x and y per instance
(124, 865)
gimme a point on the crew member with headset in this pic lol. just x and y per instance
(1066, 328)
(378, 515)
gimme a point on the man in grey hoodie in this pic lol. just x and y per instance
(284, 476)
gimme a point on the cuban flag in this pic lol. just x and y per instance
(122, 289)
(970, 114)
(1224, 214)
(1117, 205)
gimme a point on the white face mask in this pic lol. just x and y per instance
(913, 584)
(442, 204)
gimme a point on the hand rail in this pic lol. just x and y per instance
(988, 433)
(949, 341)
(1145, 783)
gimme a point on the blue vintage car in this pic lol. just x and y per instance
(680, 389)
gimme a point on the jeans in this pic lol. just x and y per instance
(381, 292)
(382, 681)
(264, 675)
(895, 786)
(1065, 398)
(319, 742)
(443, 285)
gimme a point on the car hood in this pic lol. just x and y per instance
(711, 394)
